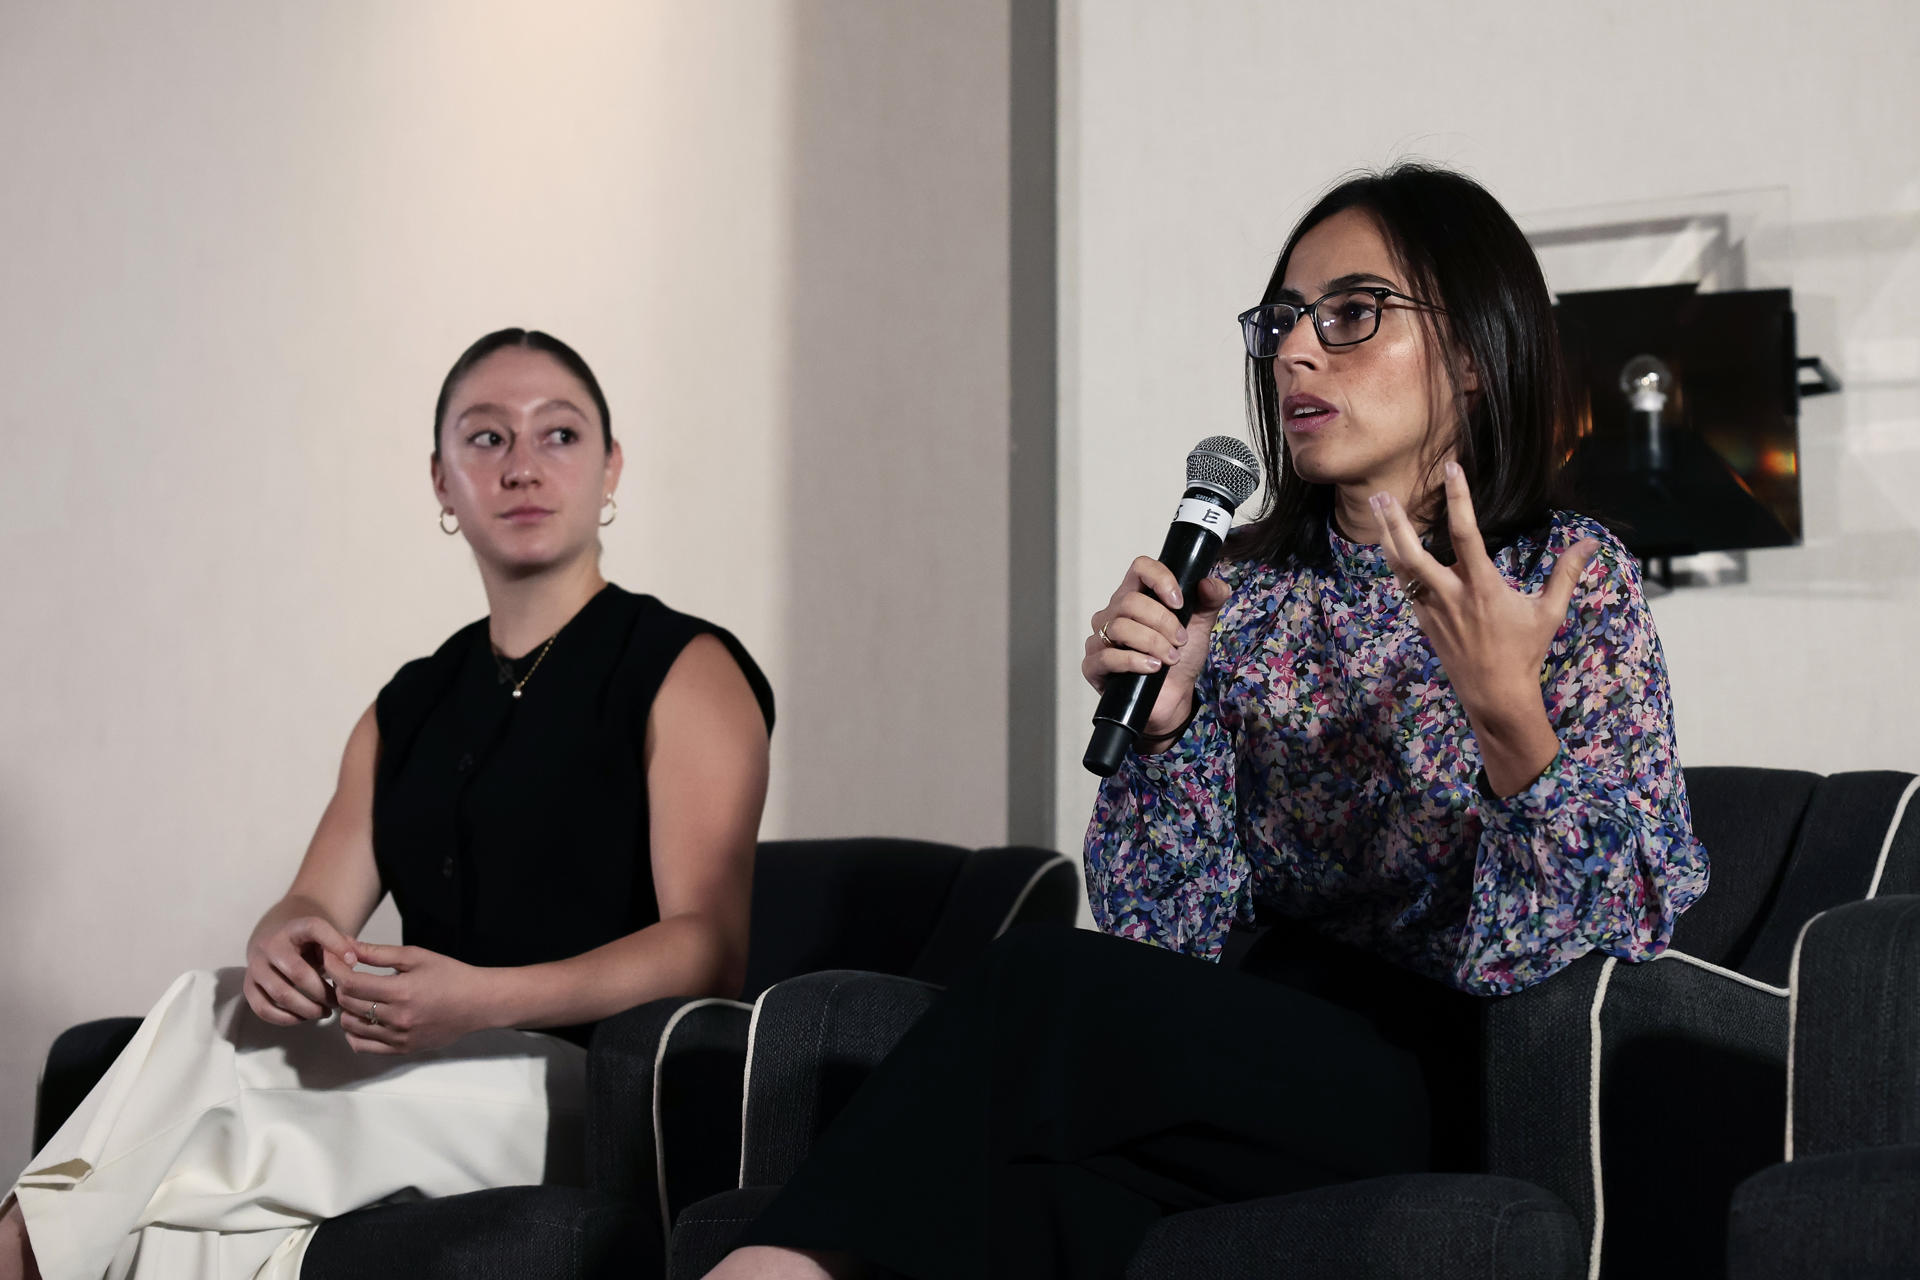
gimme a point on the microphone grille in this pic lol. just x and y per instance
(1224, 465)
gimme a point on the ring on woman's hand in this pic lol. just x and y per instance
(1104, 636)
(1413, 589)
(373, 1013)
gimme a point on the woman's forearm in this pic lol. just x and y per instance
(688, 955)
(1517, 741)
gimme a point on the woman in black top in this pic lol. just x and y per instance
(545, 729)
(563, 800)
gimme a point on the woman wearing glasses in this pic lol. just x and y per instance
(563, 801)
(1420, 722)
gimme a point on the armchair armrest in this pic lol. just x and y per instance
(815, 1039)
(1854, 1073)
(692, 1049)
(1851, 1213)
(1608, 1072)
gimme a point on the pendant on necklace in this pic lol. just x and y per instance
(516, 693)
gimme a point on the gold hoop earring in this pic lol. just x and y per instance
(614, 515)
(444, 513)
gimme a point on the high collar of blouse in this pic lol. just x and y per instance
(1356, 559)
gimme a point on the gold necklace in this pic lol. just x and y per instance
(536, 664)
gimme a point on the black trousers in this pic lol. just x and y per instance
(1075, 1088)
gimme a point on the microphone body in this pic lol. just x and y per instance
(1192, 548)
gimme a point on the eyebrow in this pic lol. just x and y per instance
(503, 412)
(1348, 281)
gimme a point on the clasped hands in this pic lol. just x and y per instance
(305, 968)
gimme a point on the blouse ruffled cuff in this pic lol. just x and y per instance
(1537, 802)
(1182, 761)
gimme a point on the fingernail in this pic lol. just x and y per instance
(1378, 502)
(1180, 637)
(1176, 597)
(1453, 471)
(351, 959)
(1153, 664)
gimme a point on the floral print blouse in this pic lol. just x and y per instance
(1330, 775)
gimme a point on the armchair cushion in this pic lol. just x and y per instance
(1750, 818)
(1860, 829)
(845, 904)
(1786, 846)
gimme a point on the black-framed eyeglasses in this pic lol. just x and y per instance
(1342, 318)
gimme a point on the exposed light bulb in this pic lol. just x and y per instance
(1647, 382)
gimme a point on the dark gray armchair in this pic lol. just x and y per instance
(904, 907)
(1642, 1095)
(1622, 1103)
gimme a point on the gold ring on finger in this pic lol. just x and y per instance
(1107, 638)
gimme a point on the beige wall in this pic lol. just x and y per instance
(239, 245)
(1192, 137)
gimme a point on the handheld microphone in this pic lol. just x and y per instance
(1222, 473)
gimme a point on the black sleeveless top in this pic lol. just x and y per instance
(514, 831)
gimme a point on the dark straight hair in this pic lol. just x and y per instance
(532, 340)
(1462, 252)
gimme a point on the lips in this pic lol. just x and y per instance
(1300, 412)
(526, 514)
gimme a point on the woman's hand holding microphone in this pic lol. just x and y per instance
(1139, 632)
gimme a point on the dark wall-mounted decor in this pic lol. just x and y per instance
(1709, 458)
